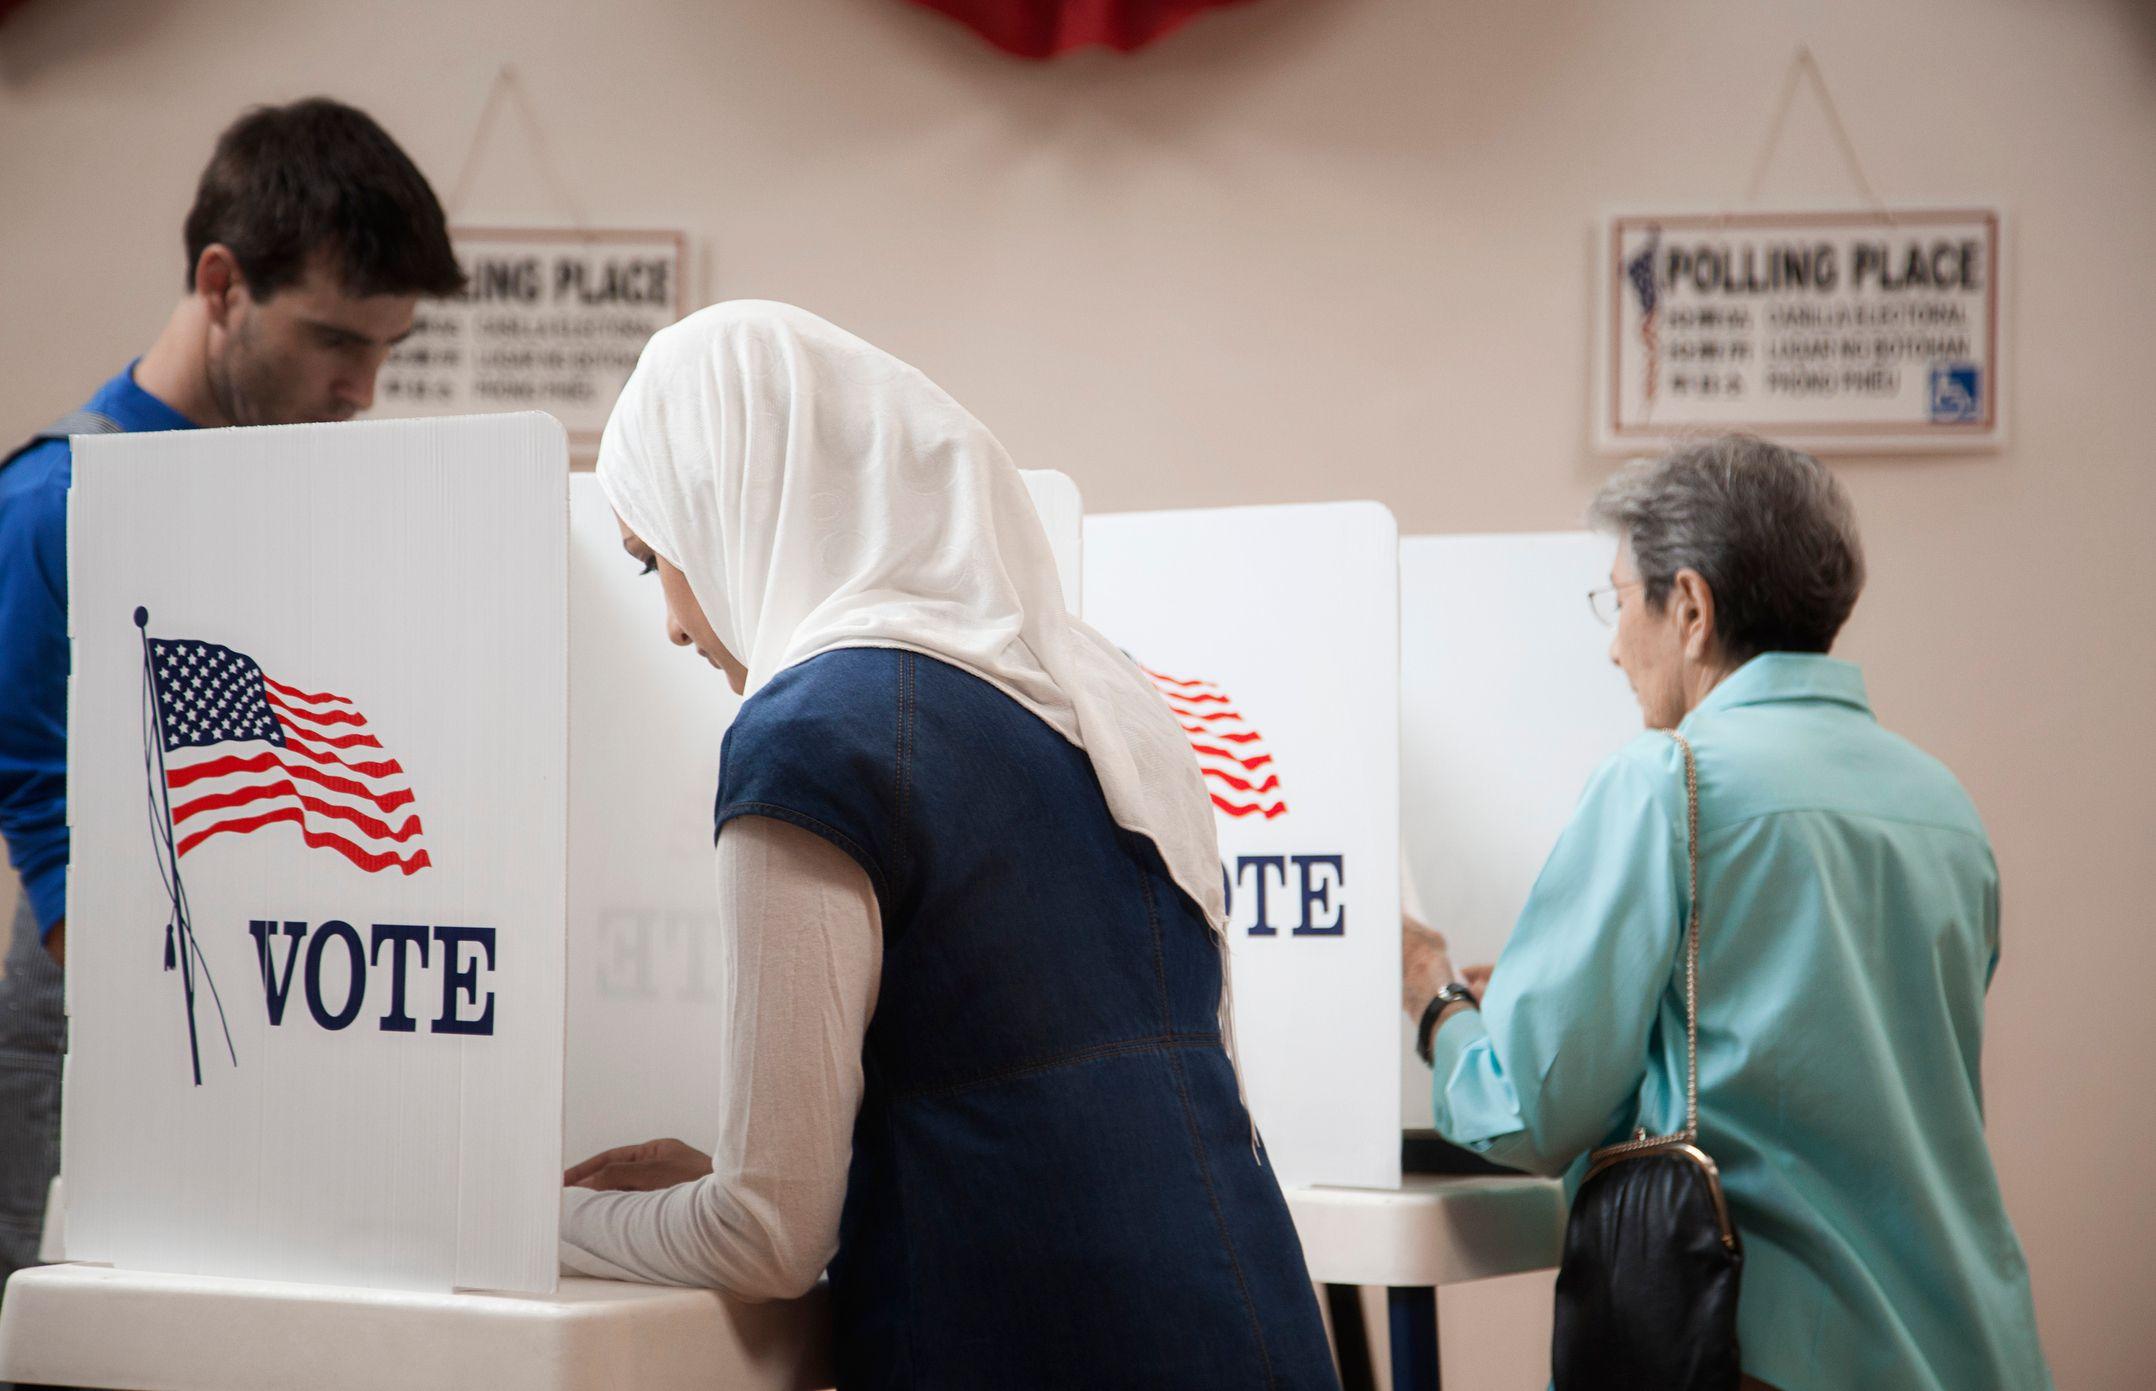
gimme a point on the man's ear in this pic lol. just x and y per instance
(218, 282)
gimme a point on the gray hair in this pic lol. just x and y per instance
(1768, 528)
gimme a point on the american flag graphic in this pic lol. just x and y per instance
(1640, 271)
(241, 751)
(1231, 753)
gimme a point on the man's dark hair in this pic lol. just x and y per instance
(288, 183)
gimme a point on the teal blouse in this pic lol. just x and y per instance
(1851, 927)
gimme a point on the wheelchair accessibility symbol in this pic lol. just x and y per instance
(1957, 392)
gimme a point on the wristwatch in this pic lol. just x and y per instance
(1452, 992)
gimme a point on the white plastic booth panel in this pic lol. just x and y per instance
(317, 780)
(1273, 632)
(1509, 702)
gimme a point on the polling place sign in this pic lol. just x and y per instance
(1843, 332)
(1273, 635)
(317, 788)
(549, 320)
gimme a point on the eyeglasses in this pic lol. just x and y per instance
(1607, 600)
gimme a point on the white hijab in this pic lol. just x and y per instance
(819, 493)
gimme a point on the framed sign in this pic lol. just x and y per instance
(1841, 332)
(317, 786)
(1273, 634)
(550, 320)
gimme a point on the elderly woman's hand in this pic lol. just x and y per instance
(640, 1168)
(1425, 964)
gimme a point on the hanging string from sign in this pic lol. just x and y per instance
(1804, 67)
(508, 90)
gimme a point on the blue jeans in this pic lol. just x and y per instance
(32, 1030)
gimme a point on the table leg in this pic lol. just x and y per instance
(1351, 1338)
(1414, 1338)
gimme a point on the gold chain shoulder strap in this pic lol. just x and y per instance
(1691, 939)
(1690, 1133)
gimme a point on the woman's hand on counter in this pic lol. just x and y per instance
(640, 1168)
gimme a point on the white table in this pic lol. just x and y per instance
(1434, 1230)
(81, 1325)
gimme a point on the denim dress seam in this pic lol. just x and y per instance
(902, 764)
(1160, 946)
(908, 740)
(1197, 1140)
(894, 1151)
(902, 853)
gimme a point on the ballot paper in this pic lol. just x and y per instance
(317, 781)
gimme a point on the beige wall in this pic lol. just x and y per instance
(1339, 248)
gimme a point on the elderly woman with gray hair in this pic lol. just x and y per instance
(1852, 905)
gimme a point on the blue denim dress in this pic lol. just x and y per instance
(1053, 1180)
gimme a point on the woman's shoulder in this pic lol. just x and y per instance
(827, 722)
(1639, 785)
(1649, 768)
(832, 692)
(1759, 762)
(818, 746)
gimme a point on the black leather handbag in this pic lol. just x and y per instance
(1647, 1294)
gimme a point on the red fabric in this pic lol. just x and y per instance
(1044, 28)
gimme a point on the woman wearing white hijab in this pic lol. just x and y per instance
(971, 910)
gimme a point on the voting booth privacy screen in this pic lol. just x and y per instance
(1509, 703)
(1273, 634)
(1062, 512)
(317, 786)
(386, 719)
(646, 722)
(397, 795)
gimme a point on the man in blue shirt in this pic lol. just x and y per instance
(311, 240)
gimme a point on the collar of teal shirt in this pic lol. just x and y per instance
(1778, 676)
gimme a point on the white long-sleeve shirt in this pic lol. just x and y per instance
(801, 955)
